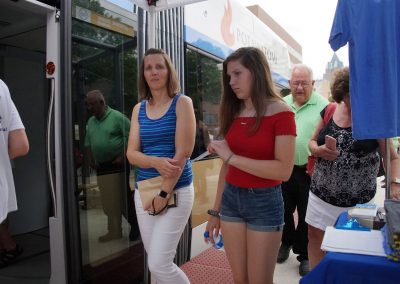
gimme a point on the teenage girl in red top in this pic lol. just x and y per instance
(258, 154)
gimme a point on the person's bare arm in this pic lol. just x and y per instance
(394, 167)
(137, 158)
(321, 151)
(184, 138)
(184, 142)
(90, 158)
(18, 144)
(133, 153)
(213, 223)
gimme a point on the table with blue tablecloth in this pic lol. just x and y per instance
(342, 268)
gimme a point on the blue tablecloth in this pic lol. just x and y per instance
(343, 268)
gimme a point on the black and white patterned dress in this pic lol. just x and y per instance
(351, 178)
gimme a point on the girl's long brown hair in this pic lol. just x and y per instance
(262, 87)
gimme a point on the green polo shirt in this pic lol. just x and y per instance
(307, 117)
(107, 137)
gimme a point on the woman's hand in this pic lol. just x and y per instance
(326, 153)
(168, 168)
(119, 161)
(395, 191)
(213, 226)
(159, 204)
(221, 148)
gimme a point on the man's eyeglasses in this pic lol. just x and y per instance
(297, 84)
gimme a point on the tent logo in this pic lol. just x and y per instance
(226, 22)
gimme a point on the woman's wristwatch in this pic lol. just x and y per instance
(212, 212)
(163, 194)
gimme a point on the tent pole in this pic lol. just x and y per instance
(151, 30)
(388, 168)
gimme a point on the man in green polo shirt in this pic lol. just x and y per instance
(106, 138)
(307, 106)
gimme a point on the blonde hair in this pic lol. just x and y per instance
(173, 85)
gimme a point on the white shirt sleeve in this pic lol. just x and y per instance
(12, 120)
(9, 121)
(15, 119)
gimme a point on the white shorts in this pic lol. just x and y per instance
(321, 214)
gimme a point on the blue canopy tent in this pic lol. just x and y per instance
(372, 30)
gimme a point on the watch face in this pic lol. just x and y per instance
(163, 194)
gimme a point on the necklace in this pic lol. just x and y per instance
(245, 120)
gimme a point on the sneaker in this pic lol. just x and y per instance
(283, 254)
(304, 267)
(109, 237)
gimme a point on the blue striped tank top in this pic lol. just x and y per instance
(157, 138)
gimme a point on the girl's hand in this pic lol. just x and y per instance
(168, 168)
(119, 161)
(213, 227)
(395, 191)
(220, 147)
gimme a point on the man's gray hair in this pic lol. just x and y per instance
(98, 95)
(302, 67)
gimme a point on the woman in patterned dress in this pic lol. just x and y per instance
(345, 176)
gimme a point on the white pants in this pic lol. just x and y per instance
(161, 234)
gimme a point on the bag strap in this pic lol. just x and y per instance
(329, 110)
(154, 210)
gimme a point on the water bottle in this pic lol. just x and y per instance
(217, 239)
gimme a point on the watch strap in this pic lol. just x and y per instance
(212, 212)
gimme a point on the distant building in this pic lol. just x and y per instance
(332, 65)
(294, 48)
(322, 86)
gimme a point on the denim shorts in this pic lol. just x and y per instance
(260, 208)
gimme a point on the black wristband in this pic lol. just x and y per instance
(212, 212)
(228, 159)
(163, 194)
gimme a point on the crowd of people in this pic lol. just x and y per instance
(265, 148)
(319, 198)
(264, 178)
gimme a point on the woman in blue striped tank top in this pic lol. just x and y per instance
(161, 140)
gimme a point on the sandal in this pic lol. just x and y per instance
(8, 257)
